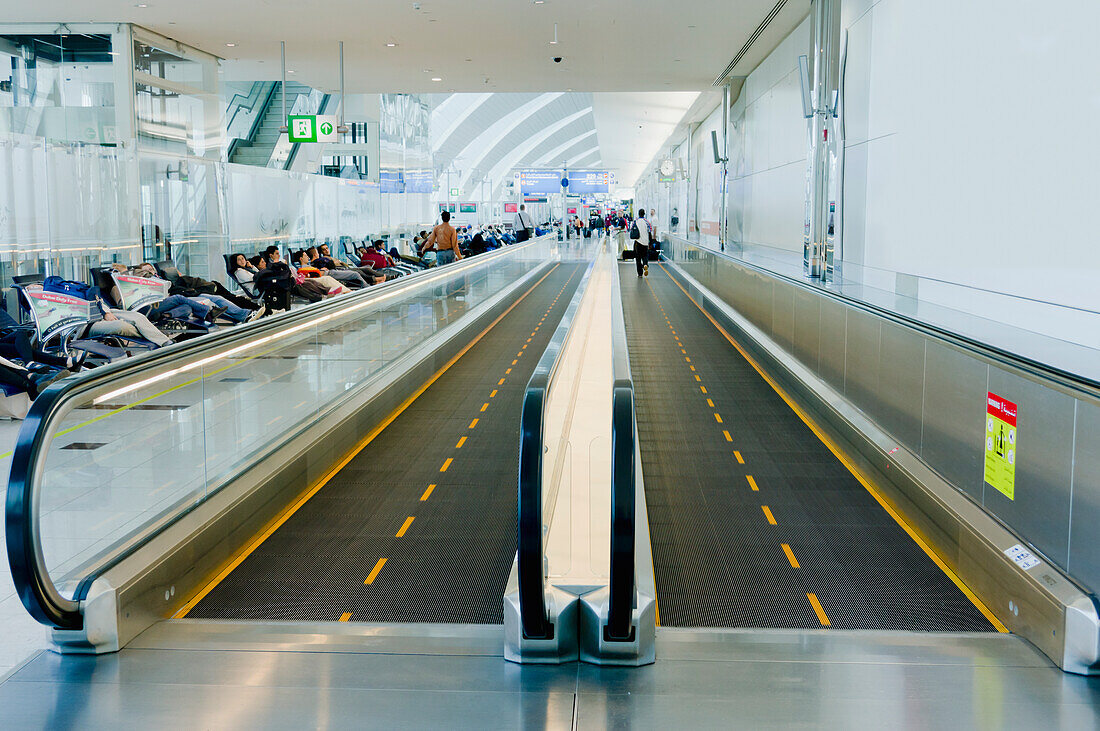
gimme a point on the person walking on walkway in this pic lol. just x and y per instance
(523, 224)
(444, 241)
(640, 235)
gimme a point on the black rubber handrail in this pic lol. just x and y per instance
(622, 582)
(1044, 371)
(534, 620)
(21, 519)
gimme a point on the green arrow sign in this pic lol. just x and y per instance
(326, 128)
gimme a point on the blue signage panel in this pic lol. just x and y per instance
(585, 182)
(418, 181)
(391, 181)
(539, 182)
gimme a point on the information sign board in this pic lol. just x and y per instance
(590, 181)
(511, 208)
(539, 182)
(1000, 444)
(467, 208)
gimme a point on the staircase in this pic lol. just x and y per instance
(258, 149)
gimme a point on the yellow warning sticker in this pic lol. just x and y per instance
(1000, 444)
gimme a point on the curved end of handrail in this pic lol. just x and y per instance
(532, 595)
(623, 510)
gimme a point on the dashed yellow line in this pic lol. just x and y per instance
(473, 423)
(493, 393)
(405, 526)
(427, 492)
(703, 389)
(710, 403)
(790, 555)
(516, 361)
(446, 464)
(461, 441)
(345, 616)
(768, 515)
(374, 572)
(717, 417)
(507, 371)
(752, 483)
(484, 406)
(821, 617)
(740, 459)
(501, 382)
(726, 433)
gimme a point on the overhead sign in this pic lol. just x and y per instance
(534, 199)
(391, 181)
(454, 192)
(467, 208)
(539, 182)
(312, 128)
(448, 207)
(511, 208)
(1000, 444)
(586, 182)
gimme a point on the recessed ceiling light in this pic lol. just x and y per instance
(391, 45)
(290, 72)
(141, 5)
(230, 45)
(436, 78)
(540, 2)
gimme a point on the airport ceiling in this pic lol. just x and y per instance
(471, 45)
(636, 66)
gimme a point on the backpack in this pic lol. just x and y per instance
(70, 287)
(635, 234)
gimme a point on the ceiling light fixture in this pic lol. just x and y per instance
(290, 72)
(230, 45)
(142, 5)
(436, 78)
(555, 41)
(391, 45)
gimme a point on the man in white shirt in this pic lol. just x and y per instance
(523, 224)
(641, 244)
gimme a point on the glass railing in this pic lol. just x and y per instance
(108, 459)
(1061, 336)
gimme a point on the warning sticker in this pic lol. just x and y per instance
(1023, 557)
(1000, 444)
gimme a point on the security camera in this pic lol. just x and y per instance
(557, 59)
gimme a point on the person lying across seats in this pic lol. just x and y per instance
(189, 286)
(322, 259)
(321, 278)
(206, 307)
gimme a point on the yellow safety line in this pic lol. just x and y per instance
(752, 483)
(345, 616)
(768, 515)
(461, 441)
(494, 393)
(727, 435)
(446, 464)
(821, 617)
(917, 537)
(740, 459)
(374, 572)
(275, 524)
(484, 406)
(405, 526)
(473, 423)
(790, 555)
(427, 492)
(717, 417)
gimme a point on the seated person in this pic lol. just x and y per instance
(318, 280)
(189, 286)
(375, 256)
(322, 259)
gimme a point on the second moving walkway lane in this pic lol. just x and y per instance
(754, 521)
(420, 526)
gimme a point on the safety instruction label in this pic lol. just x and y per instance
(1000, 444)
(1023, 557)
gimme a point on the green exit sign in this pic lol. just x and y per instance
(454, 192)
(312, 128)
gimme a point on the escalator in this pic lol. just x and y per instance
(419, 526)
(755, 522)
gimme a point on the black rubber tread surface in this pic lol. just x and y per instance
(718, 562)
(452, 563)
